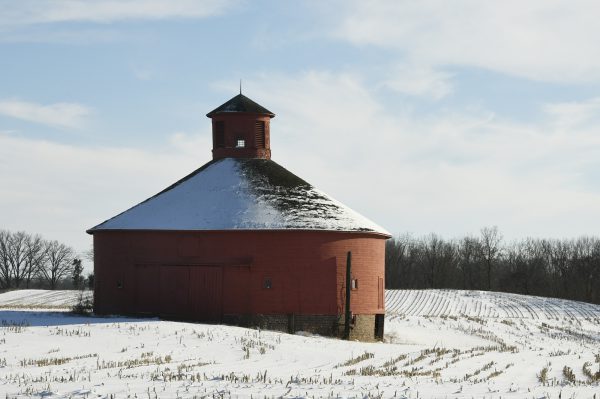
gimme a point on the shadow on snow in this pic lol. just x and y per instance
(24, 318)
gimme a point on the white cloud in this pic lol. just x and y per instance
(25, 12)
(419, 80)
(315, 95)
(79, 36)
(61, 190)
(450, 173)
(552, 40)
(66, 115)
(569, 115)
(192, 146)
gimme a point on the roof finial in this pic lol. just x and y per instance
(240, 86)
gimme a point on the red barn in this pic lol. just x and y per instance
(242, 240)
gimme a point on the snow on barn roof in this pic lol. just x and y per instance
(241, 194)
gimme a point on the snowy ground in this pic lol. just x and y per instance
(444, 344)
(40, 299)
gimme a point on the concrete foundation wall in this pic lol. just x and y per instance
(362, 328)
(326, 325)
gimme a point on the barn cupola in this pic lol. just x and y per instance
(240, 129)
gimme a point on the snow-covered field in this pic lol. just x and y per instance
(444, 344)
(40, 299)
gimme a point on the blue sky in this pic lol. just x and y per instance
(426, 116)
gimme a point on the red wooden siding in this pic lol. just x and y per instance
(206, 293)
(174, 291)
(204, 275)
(179, 291)
(147, 288)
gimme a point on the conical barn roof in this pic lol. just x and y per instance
(241, 194)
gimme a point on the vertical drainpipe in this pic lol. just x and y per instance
(347, 316)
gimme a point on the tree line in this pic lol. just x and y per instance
(30, 261)
(568, 268)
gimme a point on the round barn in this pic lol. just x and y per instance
(243, 241)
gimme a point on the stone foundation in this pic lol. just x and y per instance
(363, 328)
(325, 325)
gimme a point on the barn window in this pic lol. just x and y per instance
(119, 284)
(219, 131)
(354, 284)
(240, 143)
(259, 134)
(267, 284)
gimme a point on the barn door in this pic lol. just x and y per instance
(206, 293)
(174, 289)
(146, 289)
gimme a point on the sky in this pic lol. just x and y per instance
(427, 117)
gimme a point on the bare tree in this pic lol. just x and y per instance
(567, 269)
(16, 256)
(525, 268)
(560, 258)
(89, 254)
(441, 261)
(432, 252)
(586, 265)
(59, 262)
(35, 256)
(5, 273)
(400, 258)
(468, 249)
(490, 245)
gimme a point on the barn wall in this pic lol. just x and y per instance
(368, 268)
(176, 273)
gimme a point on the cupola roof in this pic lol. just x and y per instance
(240, 103)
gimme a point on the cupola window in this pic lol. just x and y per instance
(259, 134)
(219, 131)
